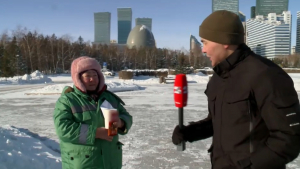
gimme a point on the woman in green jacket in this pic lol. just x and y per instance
(79, 122)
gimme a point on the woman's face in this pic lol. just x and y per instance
(90, 80)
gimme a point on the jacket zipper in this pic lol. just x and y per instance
(250, 127)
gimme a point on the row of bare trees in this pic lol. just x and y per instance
(290, 61)
(24, 51)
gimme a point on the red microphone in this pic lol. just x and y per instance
(180, 98)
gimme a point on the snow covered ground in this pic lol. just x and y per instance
(28, 139)
(22, 149)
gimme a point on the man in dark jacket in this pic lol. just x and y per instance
(254, 112)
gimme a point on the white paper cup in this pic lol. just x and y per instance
(110, 116)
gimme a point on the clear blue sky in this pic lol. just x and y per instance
(173, 20)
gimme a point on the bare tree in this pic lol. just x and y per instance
(65, 42)
(28, 43)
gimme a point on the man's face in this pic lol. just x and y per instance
(214, 51)
(90, 80)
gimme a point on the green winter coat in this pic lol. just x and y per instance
(76, 118)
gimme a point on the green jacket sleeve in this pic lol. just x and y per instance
(67, 129)
(126, 117)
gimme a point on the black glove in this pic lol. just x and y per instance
(177, 136)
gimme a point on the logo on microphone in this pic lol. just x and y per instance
(177, 90)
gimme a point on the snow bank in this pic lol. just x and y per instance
(112, 86)
(162, 70)
(193, 78)
(142, 81)
(34, 78)
(19, 149)
(120, 87)
(198, 78)
(61, 78)
(296, 80)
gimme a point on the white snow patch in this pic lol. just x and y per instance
(17, 150)
(162, 70)
(199, 78)
(34, 78)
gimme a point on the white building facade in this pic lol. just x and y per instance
(297, 50)
(270, 36)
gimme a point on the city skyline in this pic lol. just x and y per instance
(76, 18)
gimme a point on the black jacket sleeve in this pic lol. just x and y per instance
(198, 130)
(278, 104)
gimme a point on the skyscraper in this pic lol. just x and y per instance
(102, 27)
(242, 16)
(229, 5)
(144, 21)
(195, 45)
(270, 36)
(195, 51)
(243, 20)
(298, 33)
(253, 12)
(124, 24)
(264, 7)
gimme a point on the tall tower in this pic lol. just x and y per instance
(297, 49)
(102, 27)
(270, 36)
(124, 24)
(243, 20)
(264, 7)
(229, 5)
(253, 12)
(144, 21)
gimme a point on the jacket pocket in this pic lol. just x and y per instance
(236, 108)
(211, 98)
(116, 155)
(82, 159)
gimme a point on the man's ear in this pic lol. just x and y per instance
(226, 46)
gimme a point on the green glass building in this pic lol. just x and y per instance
(264, 7)
(124, 24)
(229, 5)
(102, 27)
(144, 21)
(253, 12)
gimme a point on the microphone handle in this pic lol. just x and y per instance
(181, 146)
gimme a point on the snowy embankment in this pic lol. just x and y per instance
(296, 80)
(112, 86)
(191, 78)
(34, 78)
(21, 150)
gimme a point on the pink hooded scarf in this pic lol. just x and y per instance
(82, 64)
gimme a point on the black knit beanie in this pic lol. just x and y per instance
(222, 27)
